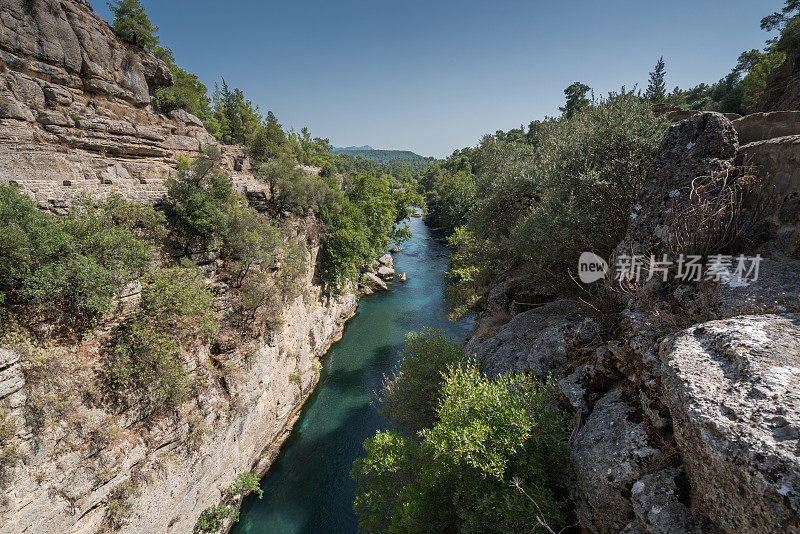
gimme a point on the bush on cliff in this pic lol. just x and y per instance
(457, 477)
(176, 308)
(68, 269)
(410, 396)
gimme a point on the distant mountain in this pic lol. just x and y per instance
(381, 156)
(351, 148)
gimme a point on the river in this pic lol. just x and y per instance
(308, 488)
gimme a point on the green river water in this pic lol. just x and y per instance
(308, 488)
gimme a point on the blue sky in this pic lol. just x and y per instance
(432, 76)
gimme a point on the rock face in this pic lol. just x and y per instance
(733, 391)
(607, 458)
(782, 92)
(72, 476)
(535, 341)
(702, 145)
(75, 113)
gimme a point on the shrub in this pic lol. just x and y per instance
(211, 518)
(70, 268)
(146, 357)
(245, 484)
(9, 452)
(458, 476)
(201, 196)
(410, 397)
(132, 25)
(539, 207)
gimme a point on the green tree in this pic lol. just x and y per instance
(457, 476)
(656, 88)
(132, 25)
(576, 98)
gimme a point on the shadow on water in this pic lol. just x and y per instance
(308, 489)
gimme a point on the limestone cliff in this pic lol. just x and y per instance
(75, 117)
(75, 113)
(687, 395)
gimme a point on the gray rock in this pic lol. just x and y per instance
(56, 94)
(535, 341)
(657, 503)
(184, 117)
(777, 289)
(387, 273)
(11, 380)
(704, 144)
(56, 118)
(733, 391)
(26, 90)
(11, 108)
(608, 455)
(373, 282)
(386, 260)
(8, 358)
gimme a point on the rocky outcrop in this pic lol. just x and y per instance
(690, 397)
(75, 113)
(782, 92)
(733, 390)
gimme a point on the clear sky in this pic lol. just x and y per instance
(432, 76)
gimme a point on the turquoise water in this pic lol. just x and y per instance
(308, 489)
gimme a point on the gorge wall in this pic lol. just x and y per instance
(688, 405)
(75, 117)
(75, 112)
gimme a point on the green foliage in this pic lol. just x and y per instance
(132, 25)
(69, 269)
(755, 82)
(299, 192)
(656, 88)
(382, 156)
(187, 93)
(146, 359)
(368, 222)
(452, 199)
(244, 484)
(538, 207)
(211, 519)
(201, 197)
(576, 98)
(410, 396)
(235, 118)
(269, 141)
(456, 478)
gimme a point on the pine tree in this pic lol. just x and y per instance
(656, 89)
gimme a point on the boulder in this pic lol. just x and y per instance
(386, 259)
(607, 457)
(395, 250)
(387, 273)
(403, 277)
(372, 281)
(733, 391)
(659, 504)
(55, 118)
(56, 94)
(704, 144)
(184, 117)
(535, 341)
